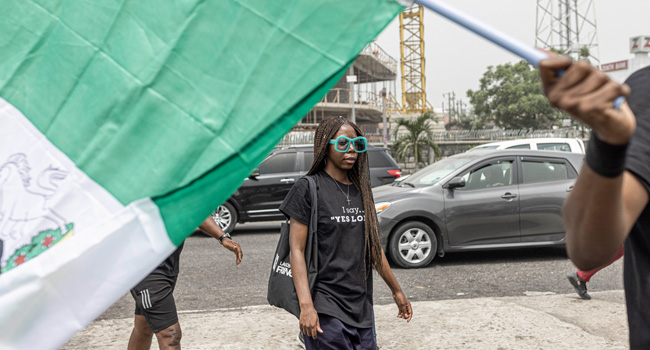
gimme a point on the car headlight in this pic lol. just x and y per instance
(379, 207)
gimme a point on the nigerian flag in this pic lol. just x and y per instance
(123, 124)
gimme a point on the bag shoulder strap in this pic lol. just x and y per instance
(313, 189)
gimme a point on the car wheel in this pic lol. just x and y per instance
(413, 244)
(226, 217)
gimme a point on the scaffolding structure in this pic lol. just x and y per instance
(376, 73)
(568, 26)
(414, 97)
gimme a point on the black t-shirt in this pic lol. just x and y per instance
(341, 289)
(170, 266)
(637, 245)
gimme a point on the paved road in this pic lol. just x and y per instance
(210, 280)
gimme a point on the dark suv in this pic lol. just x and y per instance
(259, 197)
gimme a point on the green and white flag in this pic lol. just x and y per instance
(124, 123)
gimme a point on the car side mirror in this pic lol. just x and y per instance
(255, 173)
(455, 183)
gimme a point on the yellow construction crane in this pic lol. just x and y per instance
(414, 97)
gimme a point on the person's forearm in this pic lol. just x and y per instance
(300, 281)
(387, 275)
(211, 228)
(606, 200)
(594, 219)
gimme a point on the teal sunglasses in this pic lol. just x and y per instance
(342, 144)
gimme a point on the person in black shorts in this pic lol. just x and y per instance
(608, 205)
(155, 309)
(339, 313)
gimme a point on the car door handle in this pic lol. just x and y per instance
(509, 196)
(288, 180)
(569, 189)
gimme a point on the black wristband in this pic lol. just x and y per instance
(225, 235)
(605, 159)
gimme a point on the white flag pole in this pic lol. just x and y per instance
(506, 41)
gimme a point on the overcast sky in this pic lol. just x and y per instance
(456, 59)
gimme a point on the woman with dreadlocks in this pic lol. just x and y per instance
(339, 313)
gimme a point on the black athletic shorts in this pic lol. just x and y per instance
(154, 300)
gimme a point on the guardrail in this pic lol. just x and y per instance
(499, 135)
(362, 98)
(307, 137)
(372, 49)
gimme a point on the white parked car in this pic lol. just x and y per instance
(544, 144)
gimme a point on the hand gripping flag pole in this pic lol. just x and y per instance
(530, 54)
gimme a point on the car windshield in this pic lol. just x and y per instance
(436, 171)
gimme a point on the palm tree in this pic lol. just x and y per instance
(418, 138)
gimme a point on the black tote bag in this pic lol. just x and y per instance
(281, 291)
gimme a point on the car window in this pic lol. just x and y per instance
(526, 146)
(279, 163)
(560, 146)
(539, 171)
(308, 159)
(495, 174)
(378, 159)
(436, 171)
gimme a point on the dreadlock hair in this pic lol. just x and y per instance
(360, 177)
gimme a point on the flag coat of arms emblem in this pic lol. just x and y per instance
(124, 123)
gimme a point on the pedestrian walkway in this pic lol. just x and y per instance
(536, 321)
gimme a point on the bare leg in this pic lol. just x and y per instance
(141, 336)
(585, 276)
(170, 337)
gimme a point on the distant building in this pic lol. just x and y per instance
(621, 70)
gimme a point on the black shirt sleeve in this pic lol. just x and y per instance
(638, 153)
(297, 203)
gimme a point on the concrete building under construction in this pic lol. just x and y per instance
(375, 72)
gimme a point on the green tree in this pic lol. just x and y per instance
(511, 96)
(585, 53)
(464, 121)
(417, 140)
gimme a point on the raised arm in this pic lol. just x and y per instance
(309, 323)
(606, 200)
